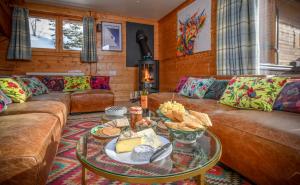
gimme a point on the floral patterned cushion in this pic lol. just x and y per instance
(100, 82)
(25, 88)
(74, 83)
(216, 90)
(253, 92)
(13, 89)
(35, 85)
(54, 83)
(3, 106)
(196, 87)
(289, 97)
(181, 83)
(5, 98)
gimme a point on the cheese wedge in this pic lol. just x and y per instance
(128, 145)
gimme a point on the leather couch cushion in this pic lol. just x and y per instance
(55, 108)
(28, 144)
(91, 100)
(54, 96)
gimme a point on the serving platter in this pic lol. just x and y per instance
(126, 157)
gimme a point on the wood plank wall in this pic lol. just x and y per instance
(125, 79)
(172, 67)
(6, 67)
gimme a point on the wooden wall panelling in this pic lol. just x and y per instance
(125, 79)
(172, 67)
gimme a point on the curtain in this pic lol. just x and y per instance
(237, 37)
(89, 50)
(19, 46)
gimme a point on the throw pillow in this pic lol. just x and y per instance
(196, 87)
(3, 106)
(54, 83)
(216, 90)
(253, 92)
(181, 83)
(74, 83)
(25, 88)
(5, 98)
(13, 89)
(35, 85)
(289, 98)
(100, 82)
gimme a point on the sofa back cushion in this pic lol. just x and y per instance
(196, 87)
(3, 106)
(289, 97)
(12, 88)
(5, 98)
(181, 83)
(54, 83)
(100, 82)
(253, 92)
(216, 90)
(35, 85)
(24, 87)
(75, 83)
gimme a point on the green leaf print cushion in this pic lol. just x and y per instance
(196, 87)
(13, 89)
(75, 83)
(253, 92)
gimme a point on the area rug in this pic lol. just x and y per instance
(66, 169)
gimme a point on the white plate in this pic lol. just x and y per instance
(126, 157)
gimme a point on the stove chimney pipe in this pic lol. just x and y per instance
(142, 39)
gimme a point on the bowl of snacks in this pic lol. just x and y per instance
(188, 126)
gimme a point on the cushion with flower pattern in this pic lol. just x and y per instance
(3, 106)
(5, 98)
(181, 83)
(216, 90)
(253, 92)
(196, 87)
(35, 85)
(54, 83)
(75, 83)
(12, 88)
(100, 82)
(24, 87)
(289, 97)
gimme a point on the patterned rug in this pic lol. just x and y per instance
(66, 169)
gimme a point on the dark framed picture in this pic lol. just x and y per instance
(111, 36)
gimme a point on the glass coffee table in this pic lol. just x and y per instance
(186, 161)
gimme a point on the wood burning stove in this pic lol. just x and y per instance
(148, 68)
(148, 75)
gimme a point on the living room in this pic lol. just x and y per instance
(150, 92)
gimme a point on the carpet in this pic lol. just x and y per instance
(66, 169)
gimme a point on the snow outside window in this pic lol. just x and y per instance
(72, 35)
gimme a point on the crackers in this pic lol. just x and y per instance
(111, 131)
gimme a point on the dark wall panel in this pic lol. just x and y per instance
(133, 53)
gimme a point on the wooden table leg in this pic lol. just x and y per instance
(200, 179)
(83, 173)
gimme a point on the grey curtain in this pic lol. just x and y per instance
(237, 37)
(89, 49)
(19, 46)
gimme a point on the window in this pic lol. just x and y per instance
(42, 32)
(72, 35)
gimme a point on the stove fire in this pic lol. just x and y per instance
(147, 76)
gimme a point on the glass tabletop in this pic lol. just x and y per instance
(184, 158)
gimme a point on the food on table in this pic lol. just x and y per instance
(142, 153)
(136, 114)
(110, 131)
(128, 140)
(168, 107)
(122, 122)
(189, 121)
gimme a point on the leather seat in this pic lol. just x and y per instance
(55, 108)
(93, 100)
(28, 143)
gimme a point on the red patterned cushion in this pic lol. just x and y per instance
(100, 82)
(54, 83)
(181, 83)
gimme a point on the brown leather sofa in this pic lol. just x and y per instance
(262, 146)
(30, 133)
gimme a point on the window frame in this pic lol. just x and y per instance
(64, 18)
(57, 41)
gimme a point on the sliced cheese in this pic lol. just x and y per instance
(127, 145)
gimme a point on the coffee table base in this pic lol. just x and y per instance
(200, 179)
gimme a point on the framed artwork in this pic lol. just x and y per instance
(194, 28)
(111, 36)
